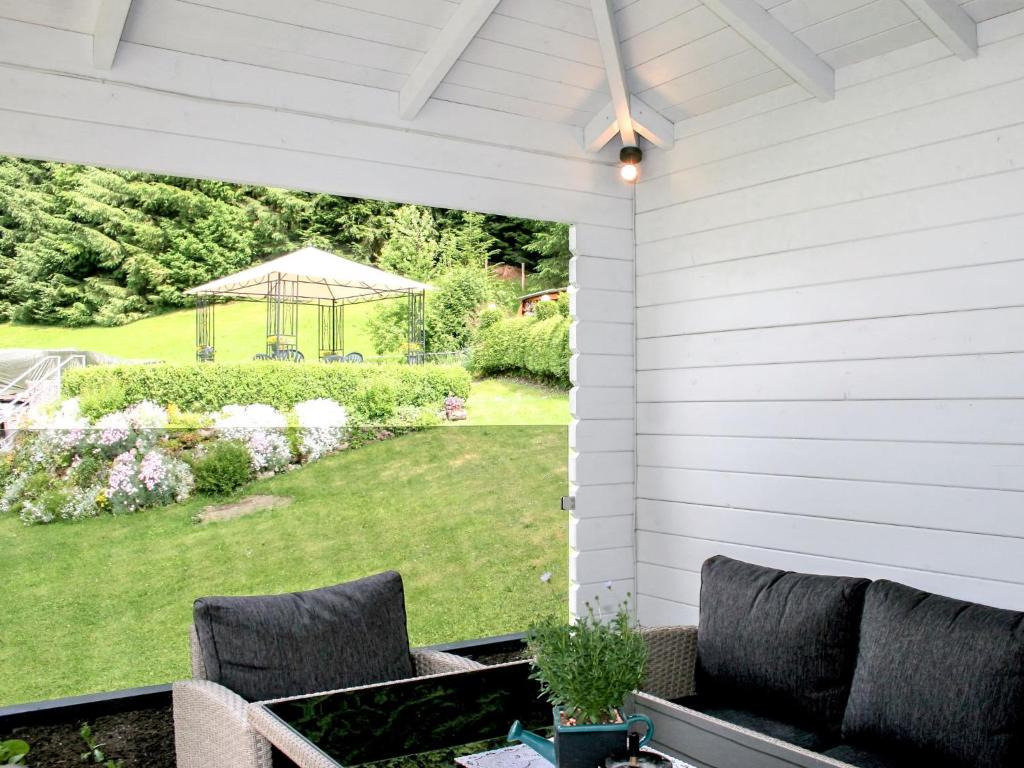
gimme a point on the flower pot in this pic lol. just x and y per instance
(582, 746)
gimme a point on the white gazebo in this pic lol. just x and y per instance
(797, 335)
(314, 277)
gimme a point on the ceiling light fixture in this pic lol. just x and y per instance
(630, 158)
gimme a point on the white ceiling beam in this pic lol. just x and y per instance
(106, 35)
(446, 50)
(602, 128)
(651, 124)
(767, 34)
(608, 39)
(647, 122)
(950, 23)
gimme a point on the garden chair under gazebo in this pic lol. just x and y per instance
(313, 277)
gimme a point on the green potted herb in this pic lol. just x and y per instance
(586, 669)
(13, 752)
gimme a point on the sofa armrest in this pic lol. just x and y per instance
(211, 729)
(671, 661)
(426, 662)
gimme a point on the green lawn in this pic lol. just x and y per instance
(240, 328)
(469, 516)
(505, 401)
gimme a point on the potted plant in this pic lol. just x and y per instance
(12, 753)
(586, 669)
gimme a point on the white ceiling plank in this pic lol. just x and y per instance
(767, 34)
(106, 34)
(950, 23)
(608, 39)
(647, 121)
(446, 50)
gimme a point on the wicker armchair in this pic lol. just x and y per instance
(211, 723)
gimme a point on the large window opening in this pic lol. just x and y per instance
(139, 473)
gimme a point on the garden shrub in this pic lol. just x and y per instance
(225, 468)
(545, 310)
(525, 346)
(377, 401)
(94, 402)
(210, 386)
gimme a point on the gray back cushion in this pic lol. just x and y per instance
(286, 645)
(778, 641)
(940, 678)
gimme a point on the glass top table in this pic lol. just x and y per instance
(424, 722)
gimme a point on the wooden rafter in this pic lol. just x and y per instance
(767, 34)
(950, 23)
(608, 38)
(106, 36)
(446, 50)
(647, 122)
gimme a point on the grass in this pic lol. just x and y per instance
(468, 516)
(240, 329)
(507, 401)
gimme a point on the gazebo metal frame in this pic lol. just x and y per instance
(283, 294)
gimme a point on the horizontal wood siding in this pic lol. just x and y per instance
(830, 330)
(602, 436)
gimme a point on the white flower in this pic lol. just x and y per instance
(546, 576)
(146, 415)
(321, 427)
(321, 414)
(246, 418)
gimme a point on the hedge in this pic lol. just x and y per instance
(524, 346)
(210, 386)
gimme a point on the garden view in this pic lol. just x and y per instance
(154, 479)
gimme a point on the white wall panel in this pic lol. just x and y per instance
(602, 435)
(830, 327)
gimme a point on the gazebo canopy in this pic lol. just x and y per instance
(314, 276)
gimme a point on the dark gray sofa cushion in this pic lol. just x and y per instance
(763, 724)
(778, 642)
(941, 677)
(865, 758)
(273, 646)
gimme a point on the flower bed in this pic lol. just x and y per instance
(66, 466)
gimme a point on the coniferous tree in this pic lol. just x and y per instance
(412, 246)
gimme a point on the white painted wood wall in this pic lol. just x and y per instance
(602, 459)
(830, 323)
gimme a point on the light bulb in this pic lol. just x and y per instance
(629, 172)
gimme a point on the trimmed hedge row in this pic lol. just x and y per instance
(375, 391)
(524, 346)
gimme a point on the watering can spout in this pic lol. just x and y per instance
(538, 744)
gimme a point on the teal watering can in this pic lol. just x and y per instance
(581, 746)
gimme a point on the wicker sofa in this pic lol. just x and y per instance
(923, 680)
(213, 724)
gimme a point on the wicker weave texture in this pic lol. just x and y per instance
(671, 661)
(298, 749)
(437, 662)
(211, 729)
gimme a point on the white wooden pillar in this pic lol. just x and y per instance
(602, 437)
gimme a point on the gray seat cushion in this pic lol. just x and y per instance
(791, 733)
(778, 642)
(274, 646)
(941, 677)
(865, 758)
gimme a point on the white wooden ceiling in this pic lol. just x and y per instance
(536, 58)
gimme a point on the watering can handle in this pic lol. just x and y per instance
(649, 732)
